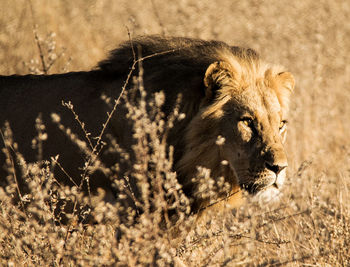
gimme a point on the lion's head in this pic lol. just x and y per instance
(240, 128)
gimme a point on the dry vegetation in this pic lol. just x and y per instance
(310, 226)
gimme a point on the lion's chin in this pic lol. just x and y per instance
(260, 185)
(268, 195)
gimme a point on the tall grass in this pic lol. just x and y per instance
(309, 225)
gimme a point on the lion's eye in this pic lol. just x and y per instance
(247, 121)
(283, 125)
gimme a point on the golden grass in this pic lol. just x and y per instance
(310, 224)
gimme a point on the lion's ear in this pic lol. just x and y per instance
(286, 79)
(218, 74)
(285, 83)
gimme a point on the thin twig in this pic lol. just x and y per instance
(55, 60)
(283, 218)
(62, 169)
(131, 43)
(300, 259)
(37, 41)
(7, 151)
(219, 200)
(155, 10)
(70, 106)
(278, 243)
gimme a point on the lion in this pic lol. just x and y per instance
(235, 108)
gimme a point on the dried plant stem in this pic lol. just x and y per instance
(37, 40)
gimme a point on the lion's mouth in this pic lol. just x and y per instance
(260, 184)
(253, 188)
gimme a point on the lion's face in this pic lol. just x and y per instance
(251, 115)
(255, 128)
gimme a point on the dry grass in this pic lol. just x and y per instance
(309, 226)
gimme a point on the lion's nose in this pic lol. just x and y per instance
(276, 168)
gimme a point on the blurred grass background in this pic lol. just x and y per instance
(310, 38)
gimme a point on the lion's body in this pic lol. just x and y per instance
(219, 85)
(23, 98)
